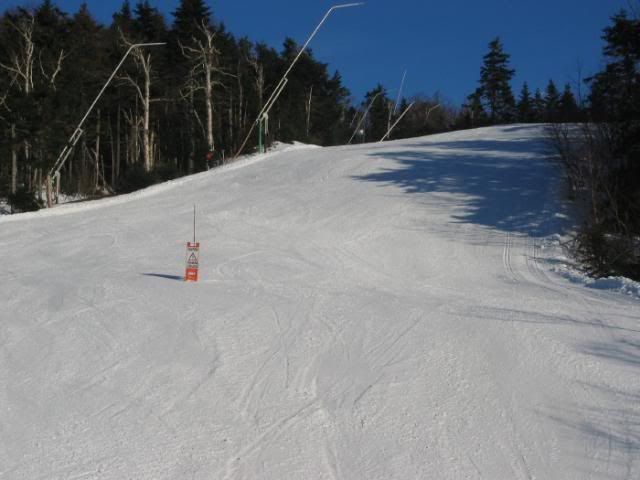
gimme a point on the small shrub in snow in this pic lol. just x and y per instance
(24, 201)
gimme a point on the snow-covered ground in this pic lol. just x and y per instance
(385, 311)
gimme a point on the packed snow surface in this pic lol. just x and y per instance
(383, 311)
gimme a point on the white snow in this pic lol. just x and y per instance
(616, 284)
(383, 311)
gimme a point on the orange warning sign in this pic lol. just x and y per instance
(193, 254)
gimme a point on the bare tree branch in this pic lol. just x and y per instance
(57, 69)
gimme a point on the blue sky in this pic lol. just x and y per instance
(440, 43)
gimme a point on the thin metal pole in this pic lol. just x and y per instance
(329, 12)
(397, 121)
(75, 136)
(194, 223)
(430, 110)
(395, 108)
(365, 115)
(278, 90)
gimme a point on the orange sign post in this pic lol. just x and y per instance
(193, 254)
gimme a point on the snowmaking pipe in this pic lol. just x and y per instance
(366, 112)
(364, 116)
(77, 133)
(397, 121)
(395, 107)
(282, 83)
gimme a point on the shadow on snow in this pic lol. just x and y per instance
(510, 185)
(164, 275)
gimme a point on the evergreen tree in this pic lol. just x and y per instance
(189, 17)
(551, 102)
(475, 113)
(605, 167)
(525, 105)
(568, 107)
(495, 76)
(614, 91)
(123, 19)
(615, 99)
(87, 72)
(149, 24)
(377, 118)
(538, 107)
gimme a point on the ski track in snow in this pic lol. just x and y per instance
(367, 312)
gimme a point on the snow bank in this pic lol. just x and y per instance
(70, 204)
(620, 285)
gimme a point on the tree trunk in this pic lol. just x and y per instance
(49, 193)
(97, 153)
(230, 113)
(116, 166)
(70, 170)
(14, 160)
(146, 143)
(37, 181)
(112, 149)
(308, 109)
(208, 94)
(83, 165)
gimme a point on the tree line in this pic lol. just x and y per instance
(601, 156)
(171, 109)
(597, 138)
(493, 101)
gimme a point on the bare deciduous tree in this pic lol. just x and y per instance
(307, 107)
(203, 55)
(143, 61)
(21, 62)
(22, 66)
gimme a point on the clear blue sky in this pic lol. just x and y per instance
(439, 42)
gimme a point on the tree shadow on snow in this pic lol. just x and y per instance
(511, 185)
(624, 351)
(612, 430)
(605, 418)
(609, 419)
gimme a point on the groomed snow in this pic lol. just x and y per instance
(383, 311)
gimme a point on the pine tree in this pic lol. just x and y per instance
(123, 19)
(190, 16)
(88, 69)
(376, 121)
(495, 76)
(615, 101)
(568, 107)
(614, 91)
(525, 105)
(149, 24)
(474, 109)
(605, 167)
(538, 106)
(551, 102)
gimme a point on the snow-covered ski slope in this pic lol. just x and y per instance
(384, 311)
